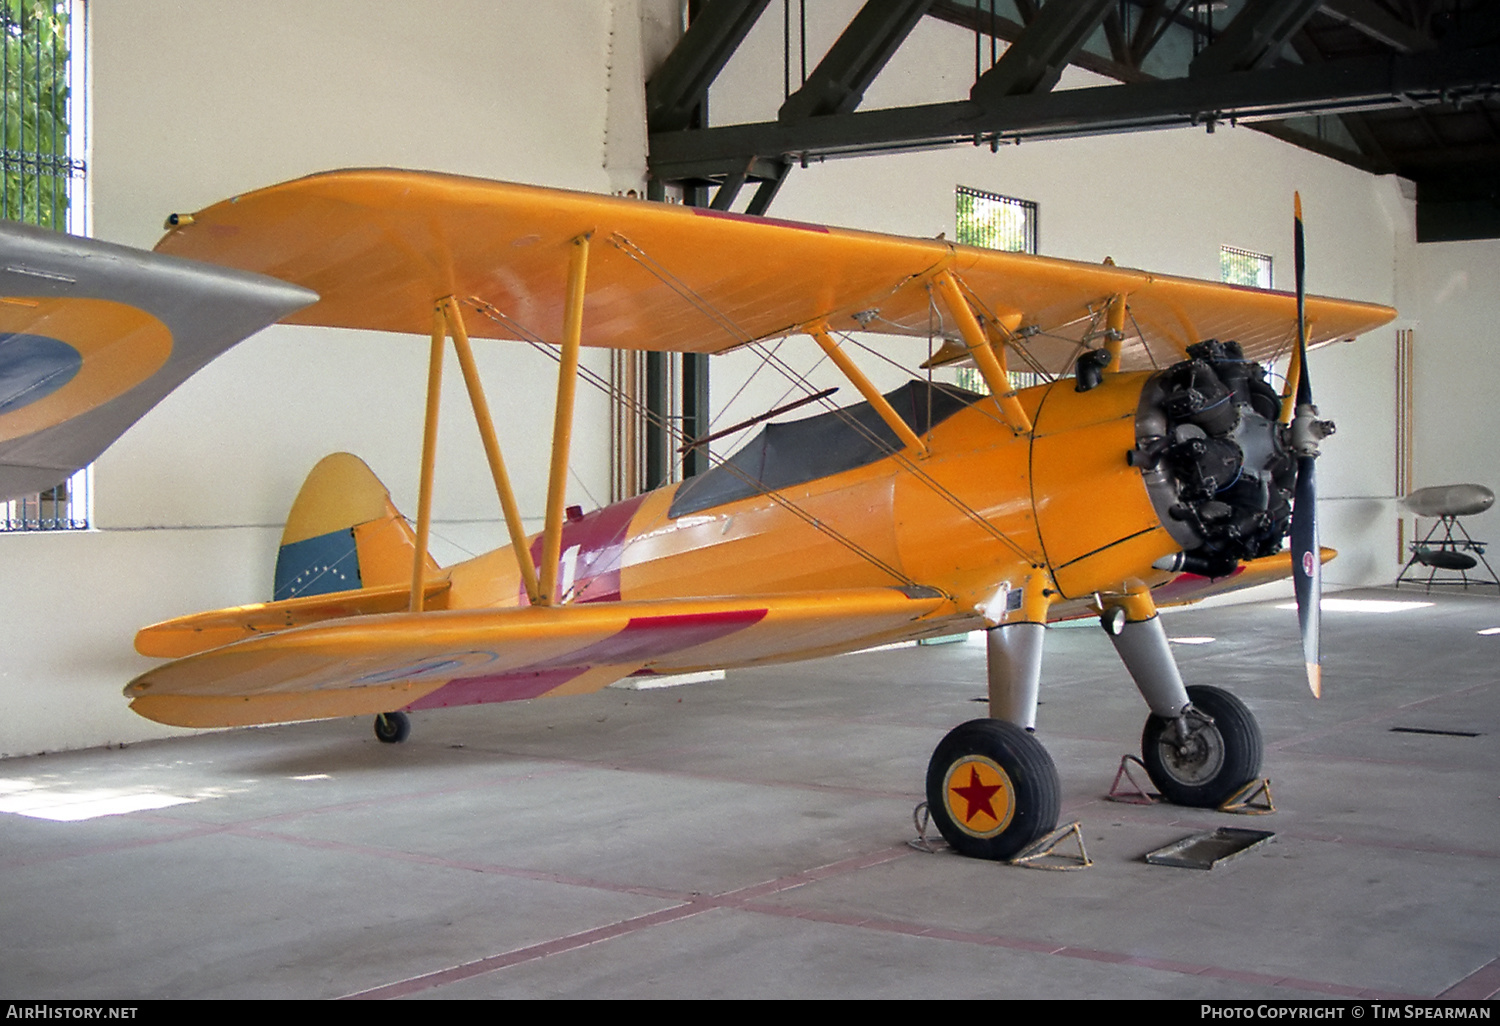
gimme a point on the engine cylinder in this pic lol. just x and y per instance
(1217, 463)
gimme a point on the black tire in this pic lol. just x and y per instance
(1218, 758)
(994, 759)
(392, 728)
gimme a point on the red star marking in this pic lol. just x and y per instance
(978, 796)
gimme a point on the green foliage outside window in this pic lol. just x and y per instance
(1242, 267)
(39, 170)
(994, 222)
(37, 161)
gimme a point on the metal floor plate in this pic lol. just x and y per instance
(1208, 849)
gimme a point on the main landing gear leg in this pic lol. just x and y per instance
(1015, 671)
(992, 789)
(1201, 744)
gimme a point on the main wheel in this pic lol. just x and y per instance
(992, 789)
(1216, 758)
(392, 728)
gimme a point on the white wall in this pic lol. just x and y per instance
(193, 102)
(1455, 290)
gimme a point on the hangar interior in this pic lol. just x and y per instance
(742, 832)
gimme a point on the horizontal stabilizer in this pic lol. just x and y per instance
(345, 551)
(381, 663)
(200, 632)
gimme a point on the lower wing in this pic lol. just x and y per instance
(376, 664)
(1185, 588)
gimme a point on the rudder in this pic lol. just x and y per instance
(343, 533)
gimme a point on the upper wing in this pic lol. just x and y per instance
(380, 246)
(375, 664)
(92, 335)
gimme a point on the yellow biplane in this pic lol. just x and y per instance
(1155, 465)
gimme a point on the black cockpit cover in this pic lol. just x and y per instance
(783, 455)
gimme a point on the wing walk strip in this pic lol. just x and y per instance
(750, 899)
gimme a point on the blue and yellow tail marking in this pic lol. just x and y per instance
(317, 566)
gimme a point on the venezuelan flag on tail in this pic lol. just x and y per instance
(345, 551)
(343, 533)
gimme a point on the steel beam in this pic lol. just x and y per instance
(1378, 24)
(682, 81)
(1364, 83)
(766, 192)
(838, 83)
(695, 412)
(1254, 38)
(1035, 61)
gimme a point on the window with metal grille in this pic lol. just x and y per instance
(995, 222)
(42, 130)
(1242, 267)
(62, 508)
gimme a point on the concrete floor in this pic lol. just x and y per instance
(747, 838)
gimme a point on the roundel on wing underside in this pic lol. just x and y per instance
(62, 357)
(32, 367)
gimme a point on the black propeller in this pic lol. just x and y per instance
(1307, 432)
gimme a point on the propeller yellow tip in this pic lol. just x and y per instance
(1315, 679)
(1297, 203)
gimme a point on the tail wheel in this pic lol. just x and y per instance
(1220, 754)
(392, 728)
(992, 789)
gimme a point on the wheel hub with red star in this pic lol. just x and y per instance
(992, 789)
(979, 796)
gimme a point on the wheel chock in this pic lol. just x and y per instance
(1139, 795)
(921, 817)
(1254, 799)
(1047, 848)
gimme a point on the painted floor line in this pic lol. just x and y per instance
(1481, 985)
(750, 899)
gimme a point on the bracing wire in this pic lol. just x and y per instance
(1144, 345)
(593, 378)
(725, 322)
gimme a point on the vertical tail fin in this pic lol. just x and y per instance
(343, 533)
